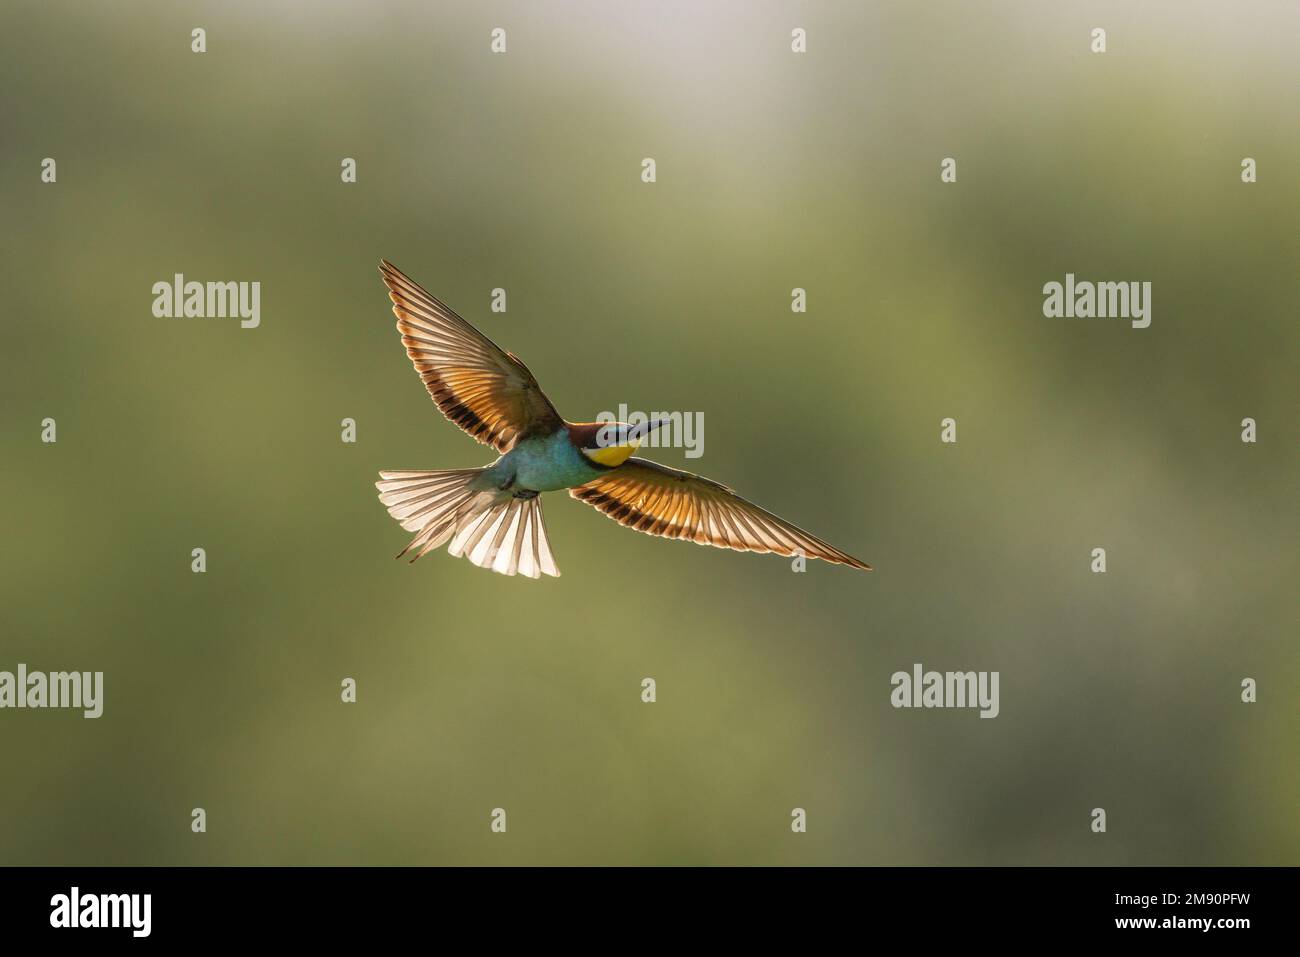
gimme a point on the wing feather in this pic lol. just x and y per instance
(670, 503)
(477, 385)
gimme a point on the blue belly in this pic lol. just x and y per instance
(548, 464)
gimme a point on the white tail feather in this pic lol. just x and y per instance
(491, 528)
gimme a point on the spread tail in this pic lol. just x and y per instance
(491, 528)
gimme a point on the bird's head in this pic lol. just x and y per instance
(612, 443)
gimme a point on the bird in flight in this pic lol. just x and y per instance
(493, 515)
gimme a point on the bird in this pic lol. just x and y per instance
(493, 515)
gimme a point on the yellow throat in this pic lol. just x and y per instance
(612, 455)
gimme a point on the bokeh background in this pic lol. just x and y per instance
(775, 170)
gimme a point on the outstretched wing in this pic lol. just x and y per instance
(477, 385)
(661, 501)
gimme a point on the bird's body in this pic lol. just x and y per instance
(493, 516)
(545, 463)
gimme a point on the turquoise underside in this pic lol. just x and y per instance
(546, 464)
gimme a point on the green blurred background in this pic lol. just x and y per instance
(775, 170)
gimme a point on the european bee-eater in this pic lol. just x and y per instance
(492, 515)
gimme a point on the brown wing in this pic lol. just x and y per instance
(661, 501)
(483, 389)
